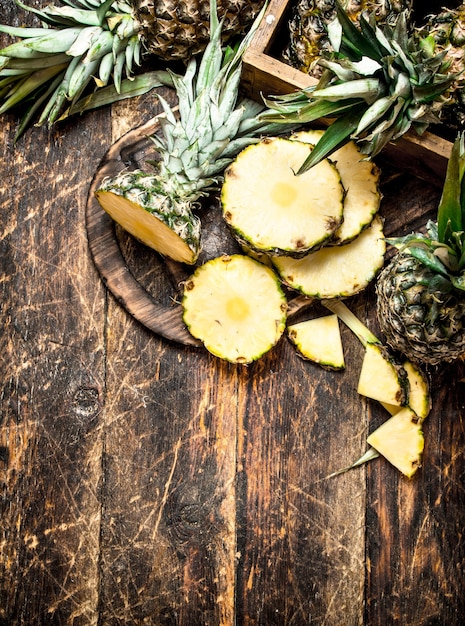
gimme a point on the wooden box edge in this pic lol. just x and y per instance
(263, 75)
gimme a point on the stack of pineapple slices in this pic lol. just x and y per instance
(321, 229)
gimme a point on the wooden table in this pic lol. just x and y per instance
(146, 482)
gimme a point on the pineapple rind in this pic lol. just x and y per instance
(236, 307)
(270, 209)
(336, 271)
(360, 179)
(426, 325)
(319, 340)
(400, 440)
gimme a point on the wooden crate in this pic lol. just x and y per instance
(263, 75)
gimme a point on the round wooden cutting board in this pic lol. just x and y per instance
(132, 151)
(129, 152)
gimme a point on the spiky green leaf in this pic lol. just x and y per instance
(451, 210)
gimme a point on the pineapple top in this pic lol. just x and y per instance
(380, 83)
(442, 249)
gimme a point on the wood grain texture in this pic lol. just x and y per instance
(145, 482)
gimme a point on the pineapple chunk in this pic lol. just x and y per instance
(135, 201)
(380, 378)
(336, 271)
(319, 340)
(236, 307)
(360, 179)
(419, 398)
(400, 440)
(270, 209)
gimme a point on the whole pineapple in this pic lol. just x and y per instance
(446, 32)
(88, 45)
(421, 292)
(308, 36)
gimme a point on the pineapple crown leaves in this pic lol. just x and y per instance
(211, 125)
(442, 249)
(379, 82)
(85, 43)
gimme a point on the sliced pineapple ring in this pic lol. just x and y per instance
(381, 378)
(319, 340)
(360, 179)
(400, 440)
(236, 307)
(336, 271)
(134, 200)
(270, 209)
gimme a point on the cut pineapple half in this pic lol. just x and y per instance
(381, 378)
(134, 200)
(419, 397)
(236, 307)
(400, 440)
(271, 209)
(319, 340)
(336, 271)
(360, 179)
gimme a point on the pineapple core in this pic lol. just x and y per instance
(237, 308)
(284, 194)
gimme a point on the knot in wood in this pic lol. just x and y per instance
(188, 519)
(86, 402)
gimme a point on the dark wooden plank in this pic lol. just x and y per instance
(52, 379)
(302, 535)
(415, 547)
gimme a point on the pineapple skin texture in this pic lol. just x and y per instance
(448, 31)
(308, 38)
(427, 326)
(178, 29)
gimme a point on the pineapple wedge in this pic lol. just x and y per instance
(236, 307)
(319, 340)
(133, 200)
(381, 378)
(400, 440)
(419, 397)
(360, 179)
(270, 209)
(336, 271)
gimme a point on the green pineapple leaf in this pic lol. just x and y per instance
(336, 136)
(451, 210)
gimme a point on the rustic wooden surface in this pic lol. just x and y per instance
(146, 482)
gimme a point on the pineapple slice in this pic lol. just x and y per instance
(236, 307)
(135, 200)
(319, 340)
(360, 179)
(381, 378)
(400, 440)
(270, 209)
(336, 271)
